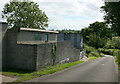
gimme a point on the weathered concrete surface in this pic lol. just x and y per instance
(18, 56)
(97, 70)
(64, 52)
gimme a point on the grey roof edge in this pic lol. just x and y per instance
(38, 30)
(3, 22)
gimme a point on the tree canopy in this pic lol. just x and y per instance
(69, 31)
(96, 34)
(112, 16)
(25, 14)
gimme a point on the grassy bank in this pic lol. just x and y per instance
(91, 58)
(116, 60)
(92, 52)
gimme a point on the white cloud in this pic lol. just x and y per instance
(74, 14)
(2, 3)
(87, 11)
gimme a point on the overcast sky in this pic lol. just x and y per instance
(68, 14)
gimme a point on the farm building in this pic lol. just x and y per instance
(32, 49)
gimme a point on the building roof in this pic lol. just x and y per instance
(38, 30)
(3, 22)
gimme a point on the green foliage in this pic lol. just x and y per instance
(113, 44)
(25, 14)
(112, 16)
(86, 34)
(91, 58)
(117, 54)
(116, 41)
(107, 51)
(53, 53)
(69, 31)
(110, 44)
(96, 35)
(117, 58)
(90, 51)
(101, 29)
(113, 48)
(96, 41)
(15, 72)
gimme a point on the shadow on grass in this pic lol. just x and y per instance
(15, 72)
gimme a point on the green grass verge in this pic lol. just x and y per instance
(115, 58)
(119, 67)
(14, 72)
(47, 70)
(91, 58)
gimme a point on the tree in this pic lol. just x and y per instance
(96, 41)
(112, 16)
(96, 34)
(69, 31)
(25, 14)
(101, 29)
(86, 33)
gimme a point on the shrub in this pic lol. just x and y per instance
(117, 54)
(90, 51)
(113, 44)
(106, 51)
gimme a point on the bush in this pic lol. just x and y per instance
(108, 51)
(90, 51)
(117, 54)
(116, 41)
(96, 41)
(113, 44)
(110, 44)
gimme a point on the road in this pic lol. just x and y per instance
(98, 70)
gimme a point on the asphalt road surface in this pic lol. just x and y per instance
(98, 70)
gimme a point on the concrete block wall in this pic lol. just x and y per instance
(60, 37)
(3, 38)
(44, 55)
(0, 47)
(64, 53)
(52, 37)
(26, 57)
(18, 56)
(75, 39)
(8, 49)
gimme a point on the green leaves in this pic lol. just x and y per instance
(96, 34)
(112, 15)
(25, 14)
